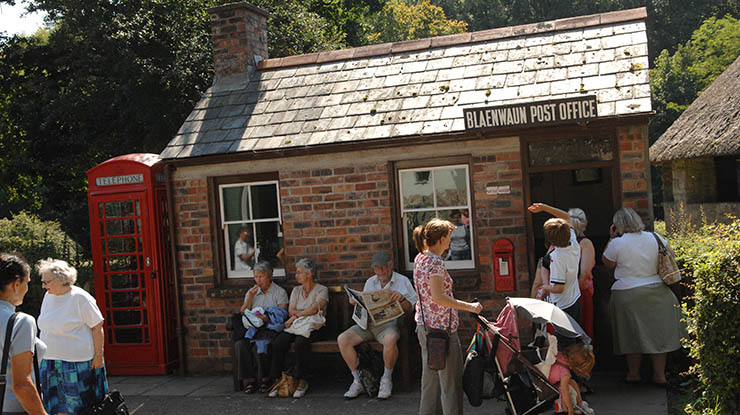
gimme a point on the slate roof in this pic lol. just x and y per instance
(420, 87)
(710, 126)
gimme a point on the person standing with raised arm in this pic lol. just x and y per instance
(564, 260)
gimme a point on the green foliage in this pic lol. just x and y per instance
(678, 79)
(402, 20)
(35, 239)
(710, 255)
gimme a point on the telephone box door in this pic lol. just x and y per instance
(124, 271)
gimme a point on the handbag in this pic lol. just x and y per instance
(286, 386)
(475, 366)
(667, 267)
(111, 404)
(438, 341)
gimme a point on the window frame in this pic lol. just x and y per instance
(222, 250)
(472, 265)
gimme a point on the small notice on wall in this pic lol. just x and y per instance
(498, 190)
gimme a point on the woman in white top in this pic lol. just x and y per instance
(72, 327)
(21, 395)
(645, 314)
(306, 299)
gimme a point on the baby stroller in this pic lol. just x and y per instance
(516, 378)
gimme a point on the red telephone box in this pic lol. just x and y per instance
(134, 284)
(504, 271)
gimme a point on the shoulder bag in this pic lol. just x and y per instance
(438, 341)
(6, 353)
(667, 267)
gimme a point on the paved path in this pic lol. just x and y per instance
(214, 395)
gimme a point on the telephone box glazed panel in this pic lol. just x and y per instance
(134, 285)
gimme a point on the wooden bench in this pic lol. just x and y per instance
(338, 319)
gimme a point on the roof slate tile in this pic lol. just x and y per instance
(418, 87)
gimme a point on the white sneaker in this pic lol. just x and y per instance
(586, 408)
(273, 393)
(386, 386)
(355, 389)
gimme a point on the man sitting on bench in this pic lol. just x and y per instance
(387, 333)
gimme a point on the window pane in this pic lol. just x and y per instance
(269, 243)
(451, 187)
(118, 209)
(121, 227)
(236, 203)
(128, 299)
(412, 220)
(417, 189)
(121, 245)
(123, 263)
(264, 201)
(128, 335)
(460, 236)
(123, 282)
(241, 248)
(549, 153)
(126, 317)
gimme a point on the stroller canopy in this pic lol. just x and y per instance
(542, 312)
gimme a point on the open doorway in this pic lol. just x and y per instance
(591, 189)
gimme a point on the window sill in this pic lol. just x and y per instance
(236, 288)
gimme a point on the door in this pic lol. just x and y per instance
(125, 283)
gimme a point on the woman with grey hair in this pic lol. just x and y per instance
(72, 372)
(306, 299)
(645, 314)
(585, 277)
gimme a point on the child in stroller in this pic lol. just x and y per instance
(579, 359)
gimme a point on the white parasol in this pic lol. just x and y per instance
(542, 312)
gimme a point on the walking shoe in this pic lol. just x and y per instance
(355, 389)
(273, 393)
(587, 410)
(386, 386)
(301, 389)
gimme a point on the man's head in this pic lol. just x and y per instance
(382, 265)
(455, 217)
(263, 275)
(244, 233)
(557, 232)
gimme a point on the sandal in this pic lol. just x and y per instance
(265, 385)
(251, 388)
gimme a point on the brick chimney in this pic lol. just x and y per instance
(239, 34)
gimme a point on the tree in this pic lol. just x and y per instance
(401, 20)
(676, 80)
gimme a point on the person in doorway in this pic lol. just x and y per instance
(564, 260)
(460, 244)
(441, 390)
(72, 372)
(244, 252)
(264, 294)
(21, 395)
(307, 299)
(646, 318)
(585, 276)
(387, 333)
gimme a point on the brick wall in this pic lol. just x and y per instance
(635, 170)
(337, 216)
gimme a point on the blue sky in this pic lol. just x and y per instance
(12, 22)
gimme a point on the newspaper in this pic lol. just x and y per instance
(373, 307)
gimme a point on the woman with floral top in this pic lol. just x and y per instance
(437, 309)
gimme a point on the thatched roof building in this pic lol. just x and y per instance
(710, 127)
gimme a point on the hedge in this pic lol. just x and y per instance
(710, 258)
(35, 239)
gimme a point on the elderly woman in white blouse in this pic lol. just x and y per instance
(72, 328)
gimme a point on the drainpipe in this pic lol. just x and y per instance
(182, 370)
